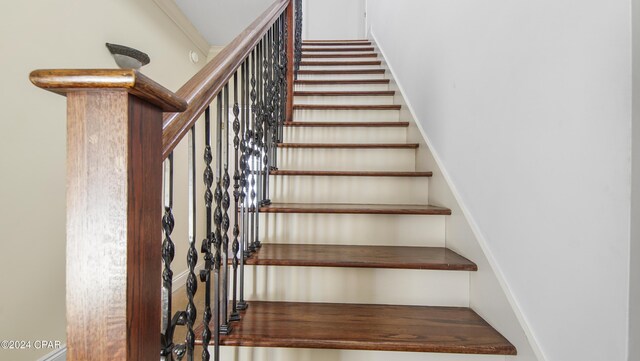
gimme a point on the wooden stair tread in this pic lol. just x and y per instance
(349, 49)
(339, 208)
(342, 173)
(335, 42)
(334, 55)
(323, 255)
(342, 81)
(341, 71)
(365, 327)
(347, 106)
(345, 124)
(345, 93)
(339, 63)
(350, 145)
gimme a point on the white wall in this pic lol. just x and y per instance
(528, 106)
(57, 34)
(634, 280)
(333, 19)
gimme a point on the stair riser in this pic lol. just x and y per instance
(345, 58)
(341, 87)
(359, 190)
(338, 67)
(357, 285)
(297, 354)
(353, 229)
(339, 76)
(347, 159)
(345, 134)
(317, 115)
(343, 99)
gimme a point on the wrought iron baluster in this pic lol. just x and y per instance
(266, 119)
(259, 144)
(205, 274)
(168, 252)
(244, 160)
(297, 37)
(235, 316)
(253, 150)
(217, 219)
(192, 254)
(225, 327)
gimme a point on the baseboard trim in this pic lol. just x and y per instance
(482, 241)
(56, 355)
(180, 279)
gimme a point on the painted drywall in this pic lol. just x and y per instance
(333, 19)
(634, 279)
(59, 34)
(528, 107)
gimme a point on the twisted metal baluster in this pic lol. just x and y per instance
(298, 37)
(168, 252)
(225, 327)
(217, 219)
(205, 274)
(266, 119)
(253, 150)
(192, 254)
(285, 66)
(235, 316)
(244, 146)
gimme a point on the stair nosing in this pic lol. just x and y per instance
(341, 81)
(329, 173)
(351, 145)
(346, 124)
(361, 209)
(347, 107)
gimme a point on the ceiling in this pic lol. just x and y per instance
(220, 21)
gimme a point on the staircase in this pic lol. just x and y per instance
(353, 257)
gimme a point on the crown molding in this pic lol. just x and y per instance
(174, 13)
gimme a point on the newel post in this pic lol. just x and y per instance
(290, 59)
(114, 181)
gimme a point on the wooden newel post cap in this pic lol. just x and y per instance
(63, 81)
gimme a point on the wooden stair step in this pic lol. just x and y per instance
(347, 173)
(323, 255)
(341, 71)
(356, 55)
(339, 208)
(365, 327)
(346, 124)
(345, 93)
(351, 145)
(339, 63)
(342, 81)
(347, 107)
(327, 49)
(335, 42)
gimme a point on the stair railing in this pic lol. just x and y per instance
(122, 130)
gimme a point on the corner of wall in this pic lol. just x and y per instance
(490, 295)
(175, 14)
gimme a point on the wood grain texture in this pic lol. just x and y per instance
(339, 208)
(113, 216)
(63, 81)
(339, 63)
(342, 81)
(346, 124)
(340, 41)
(351, 145)
(340, 173)
(323, 255)
(347, 107)
(349, 49)
(352, 55)
(200, 90)
(341, 71)
(353, 93)
(367, 327)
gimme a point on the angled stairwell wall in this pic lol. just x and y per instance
(521, 103)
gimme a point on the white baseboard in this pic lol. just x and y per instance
(56, 355)
(180, 279)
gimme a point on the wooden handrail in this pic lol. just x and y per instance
(200, 90)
